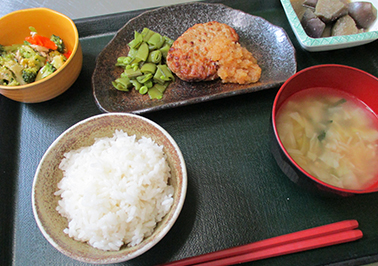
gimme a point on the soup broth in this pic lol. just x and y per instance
(332, 136)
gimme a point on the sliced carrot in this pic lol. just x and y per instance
(67, 54)
(42, 41)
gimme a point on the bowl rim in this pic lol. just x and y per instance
(159, 236)
(324, 43)
(278, 139)
(73, 52)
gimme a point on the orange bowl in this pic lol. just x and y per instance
(14, 27)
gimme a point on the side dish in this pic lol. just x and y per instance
(211, 50)
(332, 136)
(35, 59)
(203, 52)
(324, 18)
(114, 192)
(144, 66)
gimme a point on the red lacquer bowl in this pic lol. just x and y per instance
(355, 82)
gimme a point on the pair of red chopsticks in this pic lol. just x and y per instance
(322, 236)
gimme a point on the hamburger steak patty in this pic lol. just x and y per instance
(188, 58)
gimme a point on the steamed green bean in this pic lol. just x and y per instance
(122, 84)
(147, 33)
(142, 53)
(166, 72)
(143, 90)
(136, 84)
(155, 57)
(156, 41)
(164, 50)
(148, 68)
(156, 92)
(131, 73)
(144, 66)
(138, 39)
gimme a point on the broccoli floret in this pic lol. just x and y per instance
(6, 56)
(59, 43)
(48, 69)
(29, 74)
(26, 51)
(36, 61)
(29, 58)
(2, 50)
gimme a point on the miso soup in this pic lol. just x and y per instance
(332, 136)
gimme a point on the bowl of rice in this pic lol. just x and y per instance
(109, 188)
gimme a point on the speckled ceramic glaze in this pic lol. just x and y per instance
(14, 27)
(48, 174)
(268, 43)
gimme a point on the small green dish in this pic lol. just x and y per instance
(327, 43)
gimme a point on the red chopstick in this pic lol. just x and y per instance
(326, 235)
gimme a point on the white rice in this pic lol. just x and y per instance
(115, 191)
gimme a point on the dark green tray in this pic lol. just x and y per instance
(236, 194)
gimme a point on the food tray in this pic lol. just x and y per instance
(236, 192)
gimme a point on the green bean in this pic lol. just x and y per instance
(148, 68)
(122, 84)
(163, 74)
(156, 92)
(144, 66)
(131, 73)
(156, 41)
(154, 57)
(132, 53)
(157, 76)
(147, 33)
(142, 53)
(143, 90)
(138, 39)
(166, 72)
(162, 87)
(136, 84)
(162, 77)
(168, 40)
(124, 75)
(149, 84)
(164, 50)
(144, 78)
(123, 60)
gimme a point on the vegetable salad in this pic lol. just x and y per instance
(35, 59)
